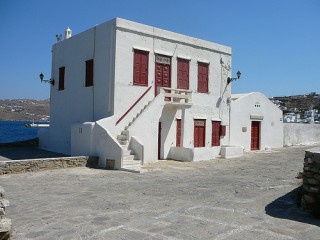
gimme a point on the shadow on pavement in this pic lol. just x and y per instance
(286, 207)
(25, 150)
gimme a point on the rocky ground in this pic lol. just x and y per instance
(252, 197)
(25, 110)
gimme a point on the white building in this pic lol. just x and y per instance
(255, 122)
(291, 117)
(132, 94)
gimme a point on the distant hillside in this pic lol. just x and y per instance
(298, 103)
(25, 110)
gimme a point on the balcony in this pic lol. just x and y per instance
(177, 97)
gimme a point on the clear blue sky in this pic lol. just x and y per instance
(275, 43)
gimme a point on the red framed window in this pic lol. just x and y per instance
(178, 137)
(140, 67)
(199, 132)
(223, 130)
(89, 73)
(183, 73)
(61, 78)
(203, 76)
(216, 133)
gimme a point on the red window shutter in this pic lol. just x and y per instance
(140, 68)
(183, 73)
(203, 76)
(196, 136)
(201, 137)
(178, 137)
(89, 73)
(223, 130)
(61, 78)
(216, 126)
(199, 133)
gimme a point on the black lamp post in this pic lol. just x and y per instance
(51, 81)
(229, 80)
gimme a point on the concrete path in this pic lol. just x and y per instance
(244, 198)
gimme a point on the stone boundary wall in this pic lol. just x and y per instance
(5, 223)
(33, 165)
(300, 134)
(311, 182)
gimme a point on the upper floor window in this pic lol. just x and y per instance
(61, 78)
(89, 73)
(203, 77)
(183, 73)
(140, 67)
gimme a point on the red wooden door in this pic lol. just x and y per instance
(199, 133)
(216, 133)
(203, 76)
(178, 137)
(159, 140)
(255, 135)
(140, 68)
(183, 73)
(163, 73)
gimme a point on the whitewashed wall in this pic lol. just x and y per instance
(300, 134)
(210, 106)
(271, 126)
(111, 45)
(77, 104)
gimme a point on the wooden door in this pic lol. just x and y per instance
(203, 77)
(159, 140)
(163, 73)
(199, 133)
(216, 133)
(178, 137)
(183, 73)
(255, 135)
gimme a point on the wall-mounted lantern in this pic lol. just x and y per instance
(229, 80)
(51, 81)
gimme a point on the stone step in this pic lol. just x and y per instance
(126, 151)
(124, 143)
(122, 137)
(131, 165)
(133, 170)
(125, 133)
(128, 157)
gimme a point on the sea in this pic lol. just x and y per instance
(15, 131)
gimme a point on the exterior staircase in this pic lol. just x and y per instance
(130, 161)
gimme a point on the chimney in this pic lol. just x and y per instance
(67, 33)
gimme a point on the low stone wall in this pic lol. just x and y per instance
(311, 182)
(5, 223)
(300, 134)
(33, 165)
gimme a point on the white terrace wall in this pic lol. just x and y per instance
(300, 134)
(76, 103)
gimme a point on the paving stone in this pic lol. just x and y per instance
(252, 197)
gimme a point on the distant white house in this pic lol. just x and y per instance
(255, 122)
(291, 117)
(133, 94)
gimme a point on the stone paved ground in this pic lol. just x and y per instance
(243, 198)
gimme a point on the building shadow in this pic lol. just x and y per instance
(25, 150)
(286, 207)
